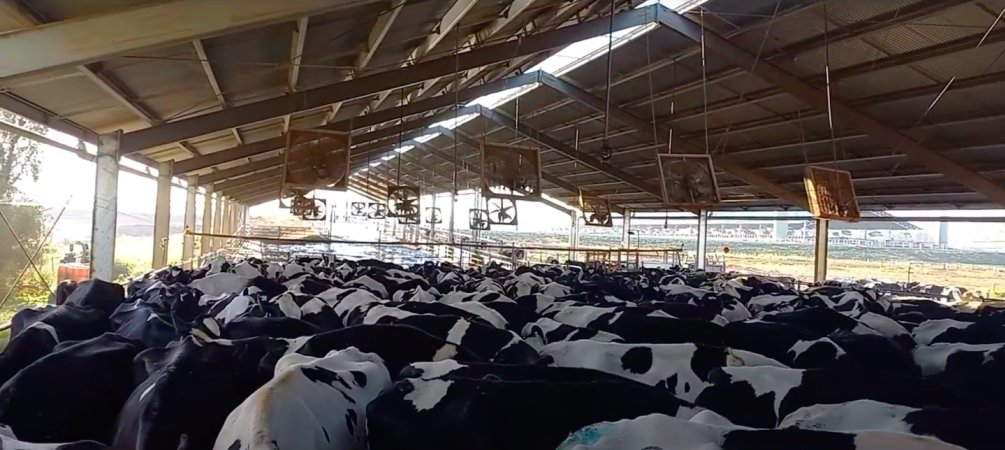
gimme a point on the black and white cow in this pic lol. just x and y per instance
(189, 389)
(545, 331)
(467, 413)
(967, 428)
(761, 396)
(682, 369)
(397, 345)
(658, 431)
(72, 394)
(310, 403)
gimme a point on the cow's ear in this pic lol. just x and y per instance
(147, 362)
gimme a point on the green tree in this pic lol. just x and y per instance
(19, 162)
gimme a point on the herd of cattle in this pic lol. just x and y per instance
(334, 354)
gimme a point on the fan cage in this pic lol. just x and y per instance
(678, 176)
(326, 150)
(831, 194)
(401, 197)
(523, 182)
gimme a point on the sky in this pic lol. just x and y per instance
(66, 179)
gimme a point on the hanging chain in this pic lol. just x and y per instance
(673, 105)
(652, 102)
(401, 129)
(704, 77)
(606, 151)
(827, 75)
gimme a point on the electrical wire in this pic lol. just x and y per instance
(606, 152)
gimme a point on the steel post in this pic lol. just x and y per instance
(701, 255)
(574, 235)
(820, 250)
(626, 239)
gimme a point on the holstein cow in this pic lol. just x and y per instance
(74, 393)
(657, 431)
(311, 403)
(465, 413)
(761, 396)
(545, 331)
(397, 345)
(679, 368)
(967, 428)
(189, 390)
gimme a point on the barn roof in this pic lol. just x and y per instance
(915, 93)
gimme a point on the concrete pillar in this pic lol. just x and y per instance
(188, 241)
(225, 220)
(781, 226)
(206, 242)
(218, 221)
(701, 255)
(574, 235)
(626, 239)
(162, 215)
(106, 204)
(944, 234)
(820, 251)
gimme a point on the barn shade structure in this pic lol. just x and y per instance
(204, 91)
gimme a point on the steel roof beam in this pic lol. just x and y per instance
(214, 83)
(486, 34)
(451, 19)
(375, 118)
(567, 12)
(89, 39)
(848, 114)
(878, 23)
(587, 160)
(379, 82)
(473, 143)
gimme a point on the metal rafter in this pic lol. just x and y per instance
(876, 24)
(379, 82)
(375, 118)
(486, 34)
(473, 143)
(848, 114)
(452, 18)
(106, 81)
(587, 160)
(214, 82)
(567, 12)
(89, 39)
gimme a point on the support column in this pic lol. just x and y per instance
(574, 235)
(162, 215)
(701, 256)
(626, 239)
(225, 220)
(218, 222)
(453, 206)
(106, 202)
(820, 251)
(188, 241)
(206, 242)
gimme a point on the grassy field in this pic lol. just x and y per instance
(980, 271)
